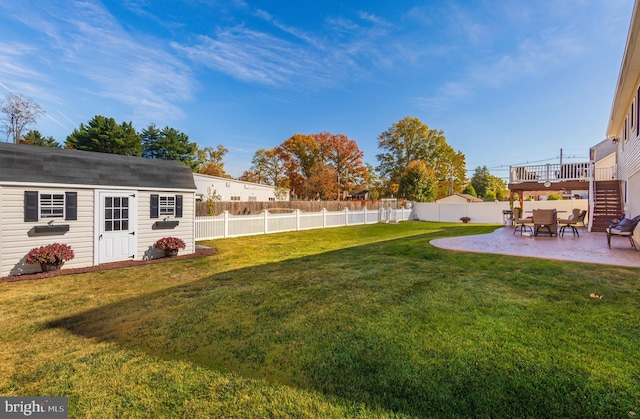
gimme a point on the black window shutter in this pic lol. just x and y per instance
(178, 206)
(30, 205)
(71, 205)
(154, 206)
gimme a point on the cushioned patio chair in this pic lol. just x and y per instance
(577, 218)
(624, 227)
(521, 223)
(545, 221)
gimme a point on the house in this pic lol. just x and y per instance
(622, 150)
(458, 198)
(359, 195)
(107, 207)
(226, 190)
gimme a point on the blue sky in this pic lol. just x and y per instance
(508, 81)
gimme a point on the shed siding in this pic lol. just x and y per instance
(18, 237)
(147, 235)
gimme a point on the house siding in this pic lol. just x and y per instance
(226, 188)
(629, 169)
(18, 237)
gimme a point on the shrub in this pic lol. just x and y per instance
(554, 197)
(172, 243)
(52, 253)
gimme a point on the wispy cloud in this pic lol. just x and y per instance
(292, 56)
(513, 59)
(89, 43)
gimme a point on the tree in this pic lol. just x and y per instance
(34, 137)
(374, 183)
(554, 197)
(168, 144)
(105, 135)
(19, 113)
(489, 196)
(249, 176)
(346, 158)
(484, 182)
(410, 140)
(269, 167)
(469, 190)
(321, 165)
(418, 182)
(209, 161)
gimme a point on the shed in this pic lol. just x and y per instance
(107, 207)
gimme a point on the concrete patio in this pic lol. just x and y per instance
(588, 248)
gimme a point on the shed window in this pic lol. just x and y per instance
(167, 205)
(235, 198)
(51, 205)
(48, 205)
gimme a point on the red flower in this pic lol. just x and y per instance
(170, 243)
(51, 253)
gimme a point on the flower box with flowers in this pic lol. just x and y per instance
(50, 257)
(170, 245)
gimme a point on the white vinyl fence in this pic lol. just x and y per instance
(227, 225)
(488, 212)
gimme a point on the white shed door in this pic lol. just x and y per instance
(116, 226)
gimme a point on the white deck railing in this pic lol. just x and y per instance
(228, 225)
(551, 172)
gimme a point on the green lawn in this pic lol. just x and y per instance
(367, 321)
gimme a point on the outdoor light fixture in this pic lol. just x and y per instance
(614, 139)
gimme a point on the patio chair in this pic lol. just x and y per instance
(574, 219)
(624, 227)
(545, 222)
(522, 223)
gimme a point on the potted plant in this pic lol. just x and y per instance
(170, 245)
(465, 219)
(50, 257)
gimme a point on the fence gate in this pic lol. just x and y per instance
(389, 210)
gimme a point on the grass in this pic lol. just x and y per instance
(368, 321)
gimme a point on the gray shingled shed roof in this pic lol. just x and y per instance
(33, 164)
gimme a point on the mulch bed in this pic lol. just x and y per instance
(106, 266)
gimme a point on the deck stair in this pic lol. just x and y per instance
(607, 203)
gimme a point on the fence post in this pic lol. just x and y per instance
(298, 219)
(364, 213)
(226, 223)
(346, 216)
(324, 218)
(266, 220)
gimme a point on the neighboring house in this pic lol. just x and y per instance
(360, 195)
(458, 198)
(618, 157)
(107, 207)
(226, 190)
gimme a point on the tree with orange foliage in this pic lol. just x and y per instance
(269, 167)
(346, 158)
(321, 166)
(210, 161)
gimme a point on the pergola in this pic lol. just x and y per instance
(522, 187)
